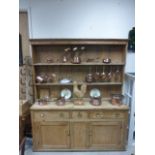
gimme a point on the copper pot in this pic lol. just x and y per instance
(103, 75)
(51, 78)
(61, 101)
(116, 99)
(97, 76)
(96, 101)
(89, 77)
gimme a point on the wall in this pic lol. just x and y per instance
(23, 5)
(81, 18)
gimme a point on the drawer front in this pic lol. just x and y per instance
(51, 115)
(79, 115)
(106, 114)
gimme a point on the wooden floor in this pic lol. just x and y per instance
(28, 151)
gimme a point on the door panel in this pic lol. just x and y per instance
(106, 135)
(79, 132)
(54, 135)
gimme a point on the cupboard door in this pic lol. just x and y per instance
(106, 135)
(79, 135)
(54, 135)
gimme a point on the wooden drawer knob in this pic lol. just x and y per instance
(42, 115)
(97, 115)
(102, 115)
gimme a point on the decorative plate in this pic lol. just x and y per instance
(66, 93)
(95, 93)
(63, 81)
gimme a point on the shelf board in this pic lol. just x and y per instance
(71, 64)
(79, 83)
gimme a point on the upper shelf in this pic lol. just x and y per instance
(70, 64)
(79, 83)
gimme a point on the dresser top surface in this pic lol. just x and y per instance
(86, 106)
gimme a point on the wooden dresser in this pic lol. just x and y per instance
(85, 127)
(71, 126)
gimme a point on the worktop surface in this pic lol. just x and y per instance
(86, 106)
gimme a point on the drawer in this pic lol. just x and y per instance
(79, 115)
(106, 114)
(51, 115)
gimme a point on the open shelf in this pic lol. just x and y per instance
(81, 64)
(79, 83)
(48, 61)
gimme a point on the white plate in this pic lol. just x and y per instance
(95, 92)
(63, 81)
(66, 93)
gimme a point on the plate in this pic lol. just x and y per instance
(63, 81)
(95, 93)
(66, 93)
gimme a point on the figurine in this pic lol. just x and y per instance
(79, 93)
